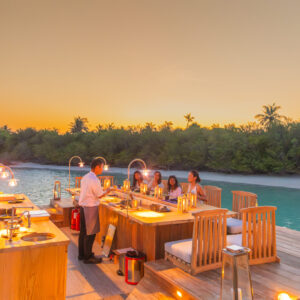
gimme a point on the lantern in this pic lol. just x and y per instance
(126, 185)
(236, 279)
(107, 183)
(57, 191)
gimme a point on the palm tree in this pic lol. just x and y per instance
(79, 125)
(167, 125)
(270, 115)
(150, 125)
(189, 119)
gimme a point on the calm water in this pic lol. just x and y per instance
(38, 185)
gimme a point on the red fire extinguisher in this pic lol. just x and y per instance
(78, 221)
(75, 212)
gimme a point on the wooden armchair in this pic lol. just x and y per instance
(258, 234)
(240, 200)
(184, 187)
(78, 182)
(204, 251)
(102, 178)
(213, 194)
(165, 183)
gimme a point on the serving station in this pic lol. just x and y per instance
(145, 222)
(33, 252)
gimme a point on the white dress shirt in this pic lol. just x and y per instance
(90, 190)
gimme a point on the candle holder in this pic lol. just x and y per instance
(180, 205)
(193, 199)
(126, 185)
(143, 188)
(107, 183)
(158, 192)
(236, 281)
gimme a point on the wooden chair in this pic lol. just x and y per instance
(258, 234)
(102, 178)
(213, 194)
(184, 187)
(241, 200)
(165, 183)
(78, 182)
(204, 251)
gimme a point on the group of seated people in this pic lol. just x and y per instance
(174, 189)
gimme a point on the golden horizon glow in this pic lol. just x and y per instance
(132, 62)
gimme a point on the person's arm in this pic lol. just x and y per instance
(201, 193)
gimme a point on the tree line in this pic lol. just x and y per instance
(269, 146)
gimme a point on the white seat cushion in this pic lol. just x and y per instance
(234, 226)
(181, 249)
(234, 239)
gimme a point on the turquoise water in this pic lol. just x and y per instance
(38, 185)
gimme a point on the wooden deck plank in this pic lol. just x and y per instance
(92, 281)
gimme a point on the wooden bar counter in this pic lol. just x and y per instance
(144, 232)
(33, 270)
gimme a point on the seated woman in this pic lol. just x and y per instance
(174, 187)
(194, 186)
(156, 181)
(137, 180)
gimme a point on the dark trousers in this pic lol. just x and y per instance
(85, 242)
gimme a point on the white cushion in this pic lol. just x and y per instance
(234, 226)
(234, 239)
(181, 249)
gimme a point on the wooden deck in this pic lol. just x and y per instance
(162, 280)
(91, 282)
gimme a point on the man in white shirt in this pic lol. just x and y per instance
(89, 200)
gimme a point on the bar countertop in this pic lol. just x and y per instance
(152, 218)
(38, 226)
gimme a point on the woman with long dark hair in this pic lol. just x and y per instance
(137, 180)
(174, 188)
(195, 187)
(156, 181)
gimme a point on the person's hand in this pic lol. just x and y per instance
(108, 190)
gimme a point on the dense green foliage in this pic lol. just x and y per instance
(244, 149)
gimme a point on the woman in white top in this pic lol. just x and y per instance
(194, 186)
(174, 187)
(156, 181)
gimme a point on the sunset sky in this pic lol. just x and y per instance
(137, 61)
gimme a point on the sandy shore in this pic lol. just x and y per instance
(279, 181)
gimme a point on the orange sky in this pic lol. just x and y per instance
(137, 61)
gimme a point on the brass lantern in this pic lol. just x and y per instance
(56, 190)
(236, 281)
